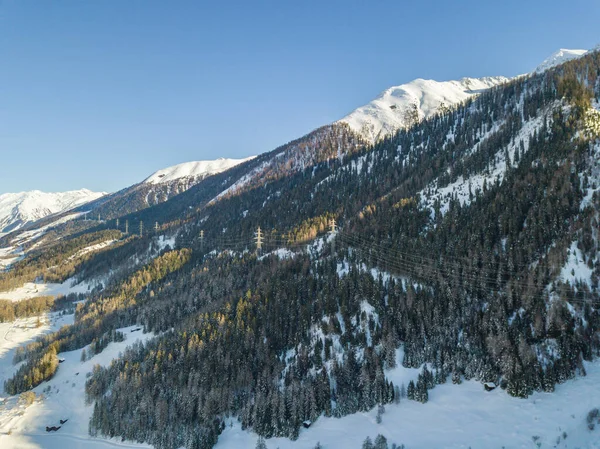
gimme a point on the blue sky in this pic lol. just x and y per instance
(99, 94)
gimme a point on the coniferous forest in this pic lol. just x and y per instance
(469, 283)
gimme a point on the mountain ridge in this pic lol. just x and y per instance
(21, 208)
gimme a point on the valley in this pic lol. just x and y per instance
(368, 278)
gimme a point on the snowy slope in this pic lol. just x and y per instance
(396, 106)
(559, 57)
(457, 417)
(399, 106)
(197, 170)
(17, 209)
(62, 397)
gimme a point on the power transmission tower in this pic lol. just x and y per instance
(99, 217)
(332, 231)
(259, 240)
(117, 223)
(202, 240)
(126, 226)
(141, 228)
(156, 226)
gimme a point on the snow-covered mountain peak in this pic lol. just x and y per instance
(559, 57)
(17, 209)
(404, 105)
(198, 169)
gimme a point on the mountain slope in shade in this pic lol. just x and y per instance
(18, 209)
(402, 106)
(559, 57)
(197, 170)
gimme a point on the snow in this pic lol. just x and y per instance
(462, 188)
(576, 269)
(198, 169)
(247, 178)
(389, 111)
(559, 57)
(18, 209)
(164, 241)
(594, 177)
(35, 289)
(9, 255)
(280, 253)
(91, 248)
(28, 236)
(22, 332)
(64, 398)
(456, 416)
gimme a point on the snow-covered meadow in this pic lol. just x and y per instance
(459, 417)
(62, 397)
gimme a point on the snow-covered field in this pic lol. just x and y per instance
(457, 416)
(21, 332)
(34, 289)
(9, 255)
(63, 399)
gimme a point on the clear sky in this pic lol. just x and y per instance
(99, 94)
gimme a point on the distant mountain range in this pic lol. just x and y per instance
(18, 209)
(398, 107)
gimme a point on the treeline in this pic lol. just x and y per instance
(95, 323)
(11, 310)
(55, 263)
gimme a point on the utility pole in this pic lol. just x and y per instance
(156, 226)
(332, 231)
(126, 226)
(202, 240)
(117, 223)
(259, 240)
(98, 217)
(141, 228)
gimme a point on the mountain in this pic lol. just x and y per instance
(161, 186)
(464, 253)
(559, 57)
(155, 189)
(190, 173)
(19, 209)
(403, 106)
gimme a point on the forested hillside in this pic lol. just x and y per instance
(471, 239)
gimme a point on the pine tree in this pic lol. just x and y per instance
(410, 392)
(380, 442)
(260, 443)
